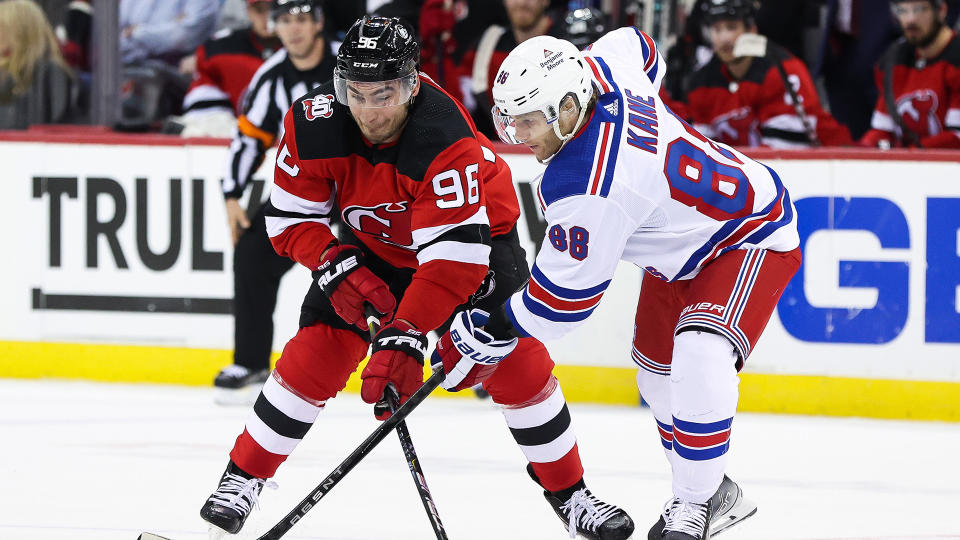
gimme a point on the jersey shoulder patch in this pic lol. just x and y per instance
(436, 123)
(318, 121)
(585, 165)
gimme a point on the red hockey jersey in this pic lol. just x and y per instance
(927, 95)
(429, 201)
(758, 110)
(225, 65)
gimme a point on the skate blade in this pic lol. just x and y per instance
(216, 533)
(244, 396)
(741, 510)
(151, 536)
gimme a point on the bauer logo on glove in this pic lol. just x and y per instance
(467, 353)
(463, 345)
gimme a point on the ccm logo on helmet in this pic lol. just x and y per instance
(318, 107)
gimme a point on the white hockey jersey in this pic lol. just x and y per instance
(639, 184)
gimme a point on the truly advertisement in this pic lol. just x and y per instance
(129, 244)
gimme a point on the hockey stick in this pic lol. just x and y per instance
(755, 46)
(347, 464)
(390, 400)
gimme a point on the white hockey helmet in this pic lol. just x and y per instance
(537, 76)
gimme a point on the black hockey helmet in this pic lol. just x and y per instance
(740, 10)
(378, 49)
(584, 25)
(280, 7)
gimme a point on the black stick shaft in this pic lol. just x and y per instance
(390, 399)
(419, 480)
(354, 458)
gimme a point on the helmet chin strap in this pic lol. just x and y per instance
(564, 139)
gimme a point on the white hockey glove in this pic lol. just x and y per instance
(467, 353)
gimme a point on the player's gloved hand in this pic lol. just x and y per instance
(396, 358)
(467, 353)
(348, 284)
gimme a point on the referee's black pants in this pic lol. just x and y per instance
(257, 270)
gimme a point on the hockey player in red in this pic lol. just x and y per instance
(920, 74)
(226, 63)
(430, 224)
(744, 101)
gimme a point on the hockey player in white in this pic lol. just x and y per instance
(626, 179)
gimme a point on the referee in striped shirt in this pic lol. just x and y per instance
(304, 63)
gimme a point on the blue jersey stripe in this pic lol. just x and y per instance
(513, 319)
(729, 227)
(699, 428)
(546, 312)
(643, 43)
(618, 130)
(647, 51)
(563, 292)
(700, 455)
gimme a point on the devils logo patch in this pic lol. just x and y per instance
(390, 222)
(320, 106)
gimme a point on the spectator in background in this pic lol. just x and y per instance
(304, 63)
(528, 18)
(166, 30)
(36, 86)
(225, 66)
(919, 81)
(155, 35)
(232, 15)
(448, 28)
(78, 24)
(745, 100)
(853, 39)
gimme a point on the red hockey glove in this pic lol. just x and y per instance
(396, 358)
(348, 284)
(469, 354)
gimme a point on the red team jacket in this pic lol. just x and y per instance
(927, 97)
(429, 201)
(225, 66)
(758, 110)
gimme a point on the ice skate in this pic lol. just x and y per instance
(238, 385)
(585, 515)
(229, 506)
(685, 521)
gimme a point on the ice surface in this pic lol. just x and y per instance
(85, 461)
